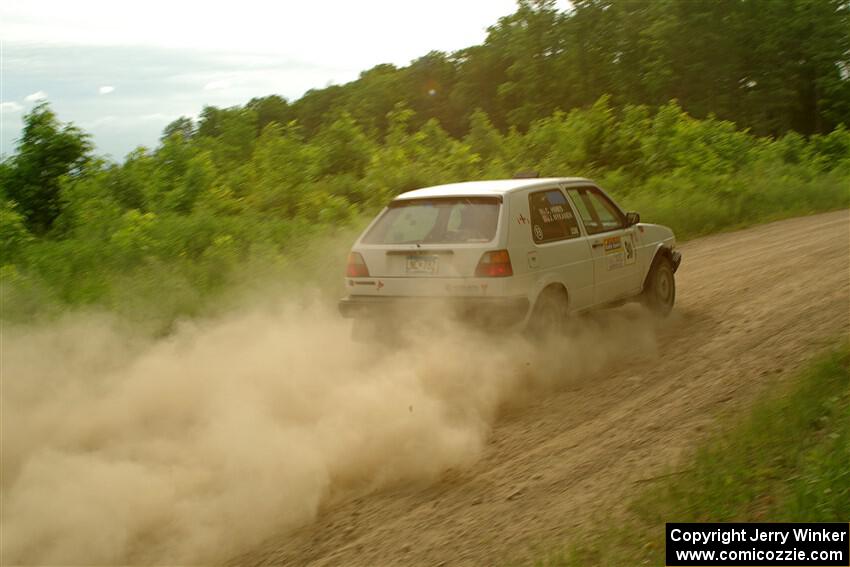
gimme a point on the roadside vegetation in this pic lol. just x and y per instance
(786, 461)
(262, 192)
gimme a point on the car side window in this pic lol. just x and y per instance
(551, 217)
(597, 212)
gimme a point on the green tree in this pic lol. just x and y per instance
(272, 108)
(129, 182)
(47, 151)
(89, 210)
(13, 233)
(233, 132)
(428, 84)
(343, 147)
(483, 138)
(534, 40)
(198, 179)
(481, 69)
(312, 108)
(282, 163)
(184, 126)
(373, 95)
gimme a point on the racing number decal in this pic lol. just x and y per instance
(538, 232)
(629, 246)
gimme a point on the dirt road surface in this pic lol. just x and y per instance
(753, 306)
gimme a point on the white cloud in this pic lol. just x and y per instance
(217, 85)
(36, 96)
(105, 89)
(11, 106)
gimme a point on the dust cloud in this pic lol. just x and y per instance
(194, 447)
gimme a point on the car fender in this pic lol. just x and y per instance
(542, 283)
(662, 250)
(653, 239)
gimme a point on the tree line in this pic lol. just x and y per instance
(768, 65)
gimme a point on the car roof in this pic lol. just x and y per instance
(484, 188)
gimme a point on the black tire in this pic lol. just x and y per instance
(550, 313)
(659, 293)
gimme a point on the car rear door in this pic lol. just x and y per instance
(612, 244)
(557, 252)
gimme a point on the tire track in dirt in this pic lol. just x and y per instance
(752, 307)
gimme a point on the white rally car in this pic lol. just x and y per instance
(523, 252)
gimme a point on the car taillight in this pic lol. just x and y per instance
(356, 266)
(494, 264)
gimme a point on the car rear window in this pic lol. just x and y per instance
(445, 220)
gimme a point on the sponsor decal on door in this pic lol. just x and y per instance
(613, 245)
(613, 248)
(629, 247)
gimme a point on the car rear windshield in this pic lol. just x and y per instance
(445, 220)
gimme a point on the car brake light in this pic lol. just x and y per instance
(494, 264)
(356, 266)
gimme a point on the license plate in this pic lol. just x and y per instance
(421, 264)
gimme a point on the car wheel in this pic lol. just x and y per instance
(660, 291)
(550, 313)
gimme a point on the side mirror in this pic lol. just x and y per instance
(632, 218)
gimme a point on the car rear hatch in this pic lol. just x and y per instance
(427, 247)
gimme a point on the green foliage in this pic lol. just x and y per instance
(183, 127)
(270, 109)
(198, 178)
(342, 147)
(13, 232)
(281, 166)
(771, 66)
(46, 152)
(210, 209)
(132, 239)
(483, 138)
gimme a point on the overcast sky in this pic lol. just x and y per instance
(122, 71)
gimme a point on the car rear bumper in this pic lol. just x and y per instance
(485, 310)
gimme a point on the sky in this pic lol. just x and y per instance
(122, 71)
